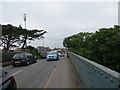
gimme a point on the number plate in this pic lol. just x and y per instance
(17, 62)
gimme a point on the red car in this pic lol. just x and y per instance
(62, 55)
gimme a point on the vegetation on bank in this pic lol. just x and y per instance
(103, 46)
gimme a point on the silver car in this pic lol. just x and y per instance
(7, 82)
(52, 55)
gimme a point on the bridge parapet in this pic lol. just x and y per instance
(93, 75)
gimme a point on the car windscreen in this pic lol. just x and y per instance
(19, 55)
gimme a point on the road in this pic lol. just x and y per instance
(44, 74)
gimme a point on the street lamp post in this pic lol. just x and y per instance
(42, 37)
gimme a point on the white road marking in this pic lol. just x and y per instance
(51, 76)
(34, 64)
(43, 83)
(37, 63)
(17, 72)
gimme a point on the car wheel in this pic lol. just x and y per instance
(27, 63)
(14, 65)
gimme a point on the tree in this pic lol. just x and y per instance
(12, 34)
(31, 35)
(103, 46)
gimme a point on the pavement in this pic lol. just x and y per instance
(44, 74)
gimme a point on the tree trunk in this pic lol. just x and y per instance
(7, 46)
(25, 42)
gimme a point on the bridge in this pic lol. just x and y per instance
(71, 71)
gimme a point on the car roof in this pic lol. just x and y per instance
(23, 53)
(53, 51)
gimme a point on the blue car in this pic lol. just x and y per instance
(52, 55)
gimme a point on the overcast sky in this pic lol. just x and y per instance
(60, 19)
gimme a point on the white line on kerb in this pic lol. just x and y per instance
(51, 76)
(37, 63)
(34, 64)
(17, 72)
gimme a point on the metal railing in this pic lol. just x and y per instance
(93, 75)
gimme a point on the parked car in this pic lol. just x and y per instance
(43, 54)
(52, 55)
(7, 82)
(61, 55)
(23, 59)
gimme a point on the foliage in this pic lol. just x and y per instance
(103, 46)
(12, 35)
(33, 51)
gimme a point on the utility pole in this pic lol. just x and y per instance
(119, 16)
(25, 19)
(25, 28)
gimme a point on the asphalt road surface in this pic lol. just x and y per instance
(44, 74)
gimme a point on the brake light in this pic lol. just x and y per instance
(24, 58)
(11, 76)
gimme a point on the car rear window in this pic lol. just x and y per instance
(19, 55)
(52, 53)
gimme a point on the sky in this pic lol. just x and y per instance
(60, 19)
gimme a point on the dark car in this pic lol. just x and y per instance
(7, 82)
(23, 59)
(43, 54)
